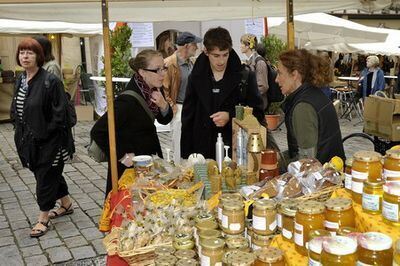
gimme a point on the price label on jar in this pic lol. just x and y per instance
(286, 233)
(390, 211)
(312, 262)
(357, 187)
(219, 214)
(359, 263)
(204, 260)
(259, 223)
(279, 220)
(272, 226)
(359, 175)
(331, 225)
(224, 221)
(370, 202)
(234, 226)
(298, 234)
(347, 181)
(389, 173)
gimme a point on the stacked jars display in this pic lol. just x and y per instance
(232, 222)
(391, 203)
(264, 222)
(367, 166)
(269, 164)
(285, 218)
(339, 250)
(391, 166)
(375, 249)
(212, 251)
(339, 213)
(225, 197)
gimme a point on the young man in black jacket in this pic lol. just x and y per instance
(212, 93)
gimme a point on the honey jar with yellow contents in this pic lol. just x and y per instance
(347, 174)
(366, 165)
(260, 241)
(344, 231)
(391, 203)
(372, 197)
(287, 211)
(396, 255)
(391, 166)
(212, 251)
(375, 249)
(314, 251)
(232, 222)
(224, 198)
(269, 257)
(339, 212)
(339, 250)
(264, 217)
(309, 216)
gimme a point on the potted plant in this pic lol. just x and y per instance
(273, 46)
(273, 115)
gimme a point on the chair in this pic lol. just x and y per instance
(87, 86)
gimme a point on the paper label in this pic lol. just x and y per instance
(359, 263)
(317, 176)
(219, 213)
(298, 234)
(359, 175)
(390, 173)
(312, 262)
(218, 264)
(347, 181)
(370, 202)
(255, 247)
(259, 223)
(390, 211)
(331, 225)
(279, 220)
(286, 233)
(357, 187)
(224, 221)
(272, 226)
(204, 260)
(234, 227)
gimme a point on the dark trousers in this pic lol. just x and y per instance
(50, 185)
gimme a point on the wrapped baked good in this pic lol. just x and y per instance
(304, 165)
(315, 181)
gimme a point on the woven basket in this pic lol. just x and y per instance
(142, 256)
(322, 195)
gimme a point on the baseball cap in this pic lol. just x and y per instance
(187, 37)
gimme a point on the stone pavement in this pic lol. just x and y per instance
(73, 239)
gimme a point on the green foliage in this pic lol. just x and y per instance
(274, 108)
(274, 46)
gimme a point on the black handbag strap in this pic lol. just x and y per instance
(141, 101)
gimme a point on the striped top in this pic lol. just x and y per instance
(19, 104)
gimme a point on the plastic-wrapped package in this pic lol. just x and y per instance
(304, 165)
(315, 181)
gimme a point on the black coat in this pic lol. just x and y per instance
(43, 129)
(199, 132)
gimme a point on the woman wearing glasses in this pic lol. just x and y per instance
(134, 126)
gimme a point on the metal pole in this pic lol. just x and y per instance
(290, 24)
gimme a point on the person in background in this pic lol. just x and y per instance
(50, 64)
(257, 63)
(135, 131)
(164, 45)
(212, 93)
(175, 82)
(326, 88)
(42, 135)
(372, 78)
(312, 124)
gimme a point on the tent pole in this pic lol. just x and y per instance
(290, 24)
(110, 96)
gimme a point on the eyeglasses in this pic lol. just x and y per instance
(157, 70)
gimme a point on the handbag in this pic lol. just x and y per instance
(94, 151)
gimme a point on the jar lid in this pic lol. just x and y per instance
(395, 154)
(344, 231)
(165, 260)
(204, 216)
(349, 161)
(233, 205)
(265, 204)
(315, 244)
(185, 262)
(318, 233)
(182, 236)
(237, 242)
(185, 254)
(226, 258)
(375, 241)
(241, 259)
(311, 207)
(215, 243)
(209, 234)
(367, 156)
(288, 207)
(269, 254)
(230, 196)
(392, 188)
(262, 237)
(204, 225)
(164, 250)
(339, 245)
(338, 204)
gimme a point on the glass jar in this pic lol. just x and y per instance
(347, 174)
(339, 212)
(264, 216)
(166, 260)
(161, 251)
(226, 197)
(186, 262)
(268, 174)
(366, 166)
(391, 166)
(287, 212)
(212, 251)
(396, 254)
(237, 243)
(233, 217)
(309, 216)
(241, 259)
(372, 197)
(391, 203)
(318, 233)
(209, 234)
(185, 254)
(344, 231)
(375, 249)
(339, 250)
(203, 225)
(204, 216)
(314, 251)
(260, 241)
(183, 241)
(269, 257)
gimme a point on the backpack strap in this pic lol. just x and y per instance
(141, 101)
(244, 75)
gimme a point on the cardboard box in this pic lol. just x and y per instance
(382, 117)
(84, 112)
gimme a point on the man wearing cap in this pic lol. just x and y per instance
(179, 67)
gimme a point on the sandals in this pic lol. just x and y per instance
(61, 211)
(40, 229)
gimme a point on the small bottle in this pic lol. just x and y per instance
(219, 151)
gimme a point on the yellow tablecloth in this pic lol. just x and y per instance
(364, 223)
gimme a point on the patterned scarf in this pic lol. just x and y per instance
(146, 91)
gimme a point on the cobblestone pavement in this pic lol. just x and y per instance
(73, 239)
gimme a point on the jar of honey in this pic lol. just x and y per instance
(268, 173)
(233, 217)
(366, 165)
(166, 260)
(372, 197)
(185, 254)
(209, 234)
(237, 243)
(185, 262)
(339, 250)
(347, 174)
(391, 203)
(344, 231)
(309, 216)
(226, 197)
(264, 216)
(314, 251)
(338, 212)
(318, 233)
(201, 226)
(375, 249)
(269, 257)
(260, 241)
(287, 212)
(396, 255)
(241, 259)
(212, 251)
(391, 166)
(269, 159)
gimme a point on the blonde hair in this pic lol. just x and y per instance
(249, 40)
(374, 60)
(141, 61)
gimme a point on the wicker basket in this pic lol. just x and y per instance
(142, 256)
(322, 195)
